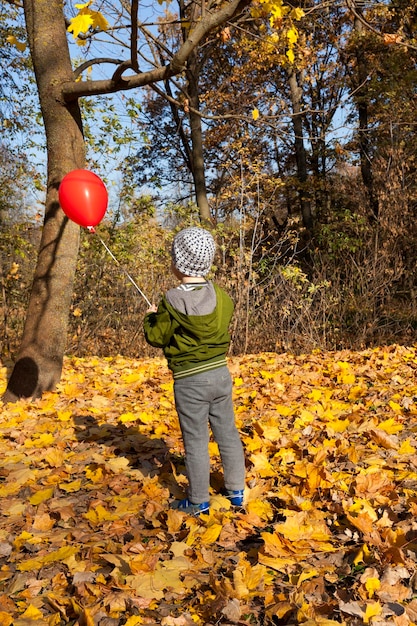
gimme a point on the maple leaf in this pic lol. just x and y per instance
(86, 19)
(80, 24)
(372, 610)
(166, 575)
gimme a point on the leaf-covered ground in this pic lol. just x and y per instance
(328, 534)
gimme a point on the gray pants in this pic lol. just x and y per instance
(201, 400)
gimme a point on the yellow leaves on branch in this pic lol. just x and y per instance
(277, 11)
(86, 19)
(282, 18)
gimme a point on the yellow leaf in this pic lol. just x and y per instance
(255, 114)
(52, 557)
(338, 426)
(80, 24)
(390, 426)
(133, 377)
(356, 392)
(395, 406)
(9, 490)
(87, 618)
(280, 564)
(43, 440)
(406, 448)
(174, 520)
(98, 515)
(346, 378)
(99, 21)
(283, 410)
(277, 12)
(315, 395)
(64, 416)
(21, 46)
(5, 619)
(297, 13)
(145, 418)
(247, 578)
(362, 506)
(95, 475)
(262, 465)
(54, 457)
(261, 508)
(119, 465)
(32, 613)
(292, 35)
(211, 534)
(166, 575)
(306, 417)
(218, 502)
(22, 539)
(71, 487)
(213, 448)
(306, 575)
(363, 555)
(41, 496)
(301, 526)
(128, 417)
(372, 610)
(290, 55)
(372, 585)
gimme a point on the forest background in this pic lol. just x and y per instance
(307, 130)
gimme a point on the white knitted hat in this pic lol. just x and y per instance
(193, 251)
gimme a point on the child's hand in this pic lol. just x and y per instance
(152, 309)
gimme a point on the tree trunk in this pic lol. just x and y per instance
(39, 361)
(300, 151)
(192, 14)
(198, 171)
(364, 134)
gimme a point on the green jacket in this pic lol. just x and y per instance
(191, 343)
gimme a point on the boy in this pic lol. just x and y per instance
(191, 326)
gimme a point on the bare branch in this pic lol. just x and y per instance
(88, 64)
(73, 90)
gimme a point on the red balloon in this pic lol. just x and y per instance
(83, 197)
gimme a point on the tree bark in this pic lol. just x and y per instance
(300, 151)
(198, 167)
(362, 101)
(39, 361)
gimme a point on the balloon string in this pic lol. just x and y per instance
(92, 230)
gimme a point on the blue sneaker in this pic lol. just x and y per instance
(192, 509)
(235, 497)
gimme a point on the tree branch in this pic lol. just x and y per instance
(88, 64)
(73, 90)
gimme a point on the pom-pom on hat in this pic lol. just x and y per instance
(193, 251)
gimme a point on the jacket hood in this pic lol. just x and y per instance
(200, 311)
